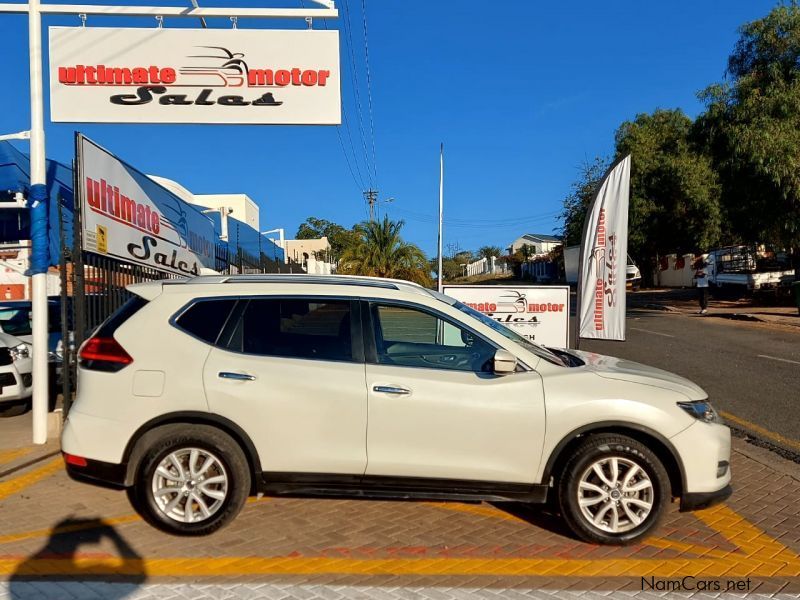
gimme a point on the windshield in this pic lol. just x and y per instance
(538, 350)
(16, 320)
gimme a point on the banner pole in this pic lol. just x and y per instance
(40, 236)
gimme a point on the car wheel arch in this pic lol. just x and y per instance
(660, 445)
(135, 450)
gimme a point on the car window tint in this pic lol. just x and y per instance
(205, 319)
(296, 328)
(416, 338)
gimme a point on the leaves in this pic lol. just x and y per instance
(379, 251)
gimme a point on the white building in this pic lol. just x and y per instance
(302, 250)
(239, 206)
(539, 243)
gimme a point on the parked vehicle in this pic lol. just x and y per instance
(572, 254)
(16, 381)
(746, 269)
(196, 394)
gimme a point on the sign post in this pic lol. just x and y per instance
(40, 237)
(40, 260)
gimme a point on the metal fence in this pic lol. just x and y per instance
(93, 287)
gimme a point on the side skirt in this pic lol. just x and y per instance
(398, 488)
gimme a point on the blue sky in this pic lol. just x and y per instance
(521, 93)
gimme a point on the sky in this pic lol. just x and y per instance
(520, 94)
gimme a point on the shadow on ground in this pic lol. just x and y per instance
(57, 570)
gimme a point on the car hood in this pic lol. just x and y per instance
(621, 369)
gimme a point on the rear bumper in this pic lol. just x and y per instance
(698, 500)
(98, 473)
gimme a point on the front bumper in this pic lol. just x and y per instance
(698, 500)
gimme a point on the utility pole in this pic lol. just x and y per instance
(371, 196)
(441, 213)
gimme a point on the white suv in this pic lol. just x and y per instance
(196, 394)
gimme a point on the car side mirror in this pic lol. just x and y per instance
(504, 362)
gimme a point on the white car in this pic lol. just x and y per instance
(196, 394)
(16, 381)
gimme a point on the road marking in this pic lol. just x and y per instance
(758, 555)
(653, 332)
(786, 360)
(17, 484)
(6, 456)
(94, 524)
(776, 437)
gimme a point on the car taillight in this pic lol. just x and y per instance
(77, 461)
(103, 354)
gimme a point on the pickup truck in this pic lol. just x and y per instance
(743, 268)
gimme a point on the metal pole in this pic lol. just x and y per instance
(441, 209)
(40, 242)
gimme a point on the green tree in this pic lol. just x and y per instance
(752, 126)
(582, 192)
(488, 252)
(381, 252)
(674, 200)
(339, 237)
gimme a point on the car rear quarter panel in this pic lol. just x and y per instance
(165, 377)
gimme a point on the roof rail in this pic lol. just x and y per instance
(295, 278)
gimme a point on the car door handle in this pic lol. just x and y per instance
(236, 376)
(390, 389)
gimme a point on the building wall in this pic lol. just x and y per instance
(244, 209)
(296, 249)
(540, 247)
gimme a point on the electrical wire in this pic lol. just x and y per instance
(359, 181)
(369, 87)
(354, 79)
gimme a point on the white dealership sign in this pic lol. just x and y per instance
(234, 76)
(538, 313)
(128, 216)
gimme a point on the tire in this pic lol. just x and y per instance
(181, 512)
(634, 521)
(13, 410)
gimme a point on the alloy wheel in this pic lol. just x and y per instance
(615, 494)
(190, 485)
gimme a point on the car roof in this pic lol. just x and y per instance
(149, 290)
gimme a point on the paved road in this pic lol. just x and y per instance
(750, 371)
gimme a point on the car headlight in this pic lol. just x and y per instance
(702, 410)
(20, 351)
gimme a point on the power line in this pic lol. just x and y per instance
(359, 181)
(369, 87)
(354, 80)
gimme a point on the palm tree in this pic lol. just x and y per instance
(380, 252)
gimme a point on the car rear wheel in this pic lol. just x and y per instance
(193, 480)
(613, 490)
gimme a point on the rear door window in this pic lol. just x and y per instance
(205, 318)
(295, 328)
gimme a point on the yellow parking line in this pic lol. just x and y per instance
(17, 484)
(121, 520)
(758, 555)
(6, 456)
(25, 535)
(775, 437)
(292, 565)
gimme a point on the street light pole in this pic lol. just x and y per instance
(40, 239)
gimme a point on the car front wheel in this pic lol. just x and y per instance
(192, 481)
(613, 490)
